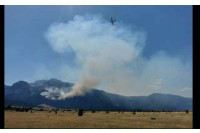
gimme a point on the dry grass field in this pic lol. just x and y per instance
(101, 119)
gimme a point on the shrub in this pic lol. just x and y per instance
(80, 112)
(56, 111)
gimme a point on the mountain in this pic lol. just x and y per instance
(30, 94)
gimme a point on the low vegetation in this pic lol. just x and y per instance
(100, 119)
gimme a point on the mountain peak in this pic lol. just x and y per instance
(47, 80)
(51, 81)
(55, 83)
(54, 80)
(21, 84)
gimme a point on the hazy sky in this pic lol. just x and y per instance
(167, 52)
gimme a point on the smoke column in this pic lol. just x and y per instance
(103, 51)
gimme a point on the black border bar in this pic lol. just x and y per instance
(2, 69)
(196, 67)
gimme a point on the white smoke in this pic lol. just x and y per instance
(110, 57)
(53, 93)
(101, 49)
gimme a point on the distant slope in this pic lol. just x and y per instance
(28, 94)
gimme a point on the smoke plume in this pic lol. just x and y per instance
(101, 49)
(110, 57)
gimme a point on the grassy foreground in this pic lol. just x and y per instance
(101, 119)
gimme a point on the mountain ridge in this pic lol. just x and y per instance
(29, 94)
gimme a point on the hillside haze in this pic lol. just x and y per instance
(30, 94)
